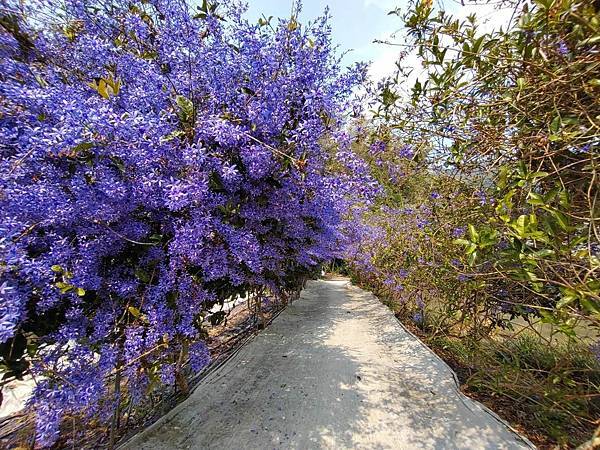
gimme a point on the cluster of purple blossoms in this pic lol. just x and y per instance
(377, 147)
(406, 151)
(395, 173)
(459, 232)
(484, 198)
(423, 223)
(156, 160)
(563, 48)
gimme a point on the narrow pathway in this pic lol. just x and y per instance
(335, 370)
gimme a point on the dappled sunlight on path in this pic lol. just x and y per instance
(334, 370)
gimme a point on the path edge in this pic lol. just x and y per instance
(461, 395)
(197, 379)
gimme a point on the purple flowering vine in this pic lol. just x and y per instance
(156, 162)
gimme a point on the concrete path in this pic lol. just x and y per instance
(335, 370)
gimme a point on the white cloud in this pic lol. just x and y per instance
(489, 17)
(383, 57)
(383, 62)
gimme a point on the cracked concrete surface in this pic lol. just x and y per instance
(335, 370)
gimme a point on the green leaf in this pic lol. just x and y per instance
(520, 225)
(535, 175)
(472, 259)
(171, 136)
(461, 242)
(563, 198)
(549, 196)
(156, 237)
(545, 4)
(535, 199)
(473, 233)
(185, 104)
(531, 276)
(565, 301)
(134, 311)
(555, 124)
(106, 86)
(142, 275)
(488, 237)
(248, 91)
(590, 305)
(544, 253)
(503, 177)
(102, 89)
(83, 146)
(185, 111)
(43, 83)
(591, 40)
(263, 21)
(568, 296)
(561, 219)
(64, 287)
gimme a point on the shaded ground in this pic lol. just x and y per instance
(17, 429)
(334, 370)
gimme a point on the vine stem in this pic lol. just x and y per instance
(114, 425)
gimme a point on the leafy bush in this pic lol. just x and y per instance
(158, 159)
(512, 115)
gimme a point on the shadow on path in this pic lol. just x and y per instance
(334, 370)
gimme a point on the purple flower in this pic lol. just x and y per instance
(502, 245)
(562, 48)
(483, 198)
(377, 147)
(11, 311)
(389, 281)
(155, 182)
(199, 356)
(422, 223)
(459, 232)
(595, 349)
(5, 289)
(229, 172)
(406, 151)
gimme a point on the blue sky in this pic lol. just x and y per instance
(356, 23)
